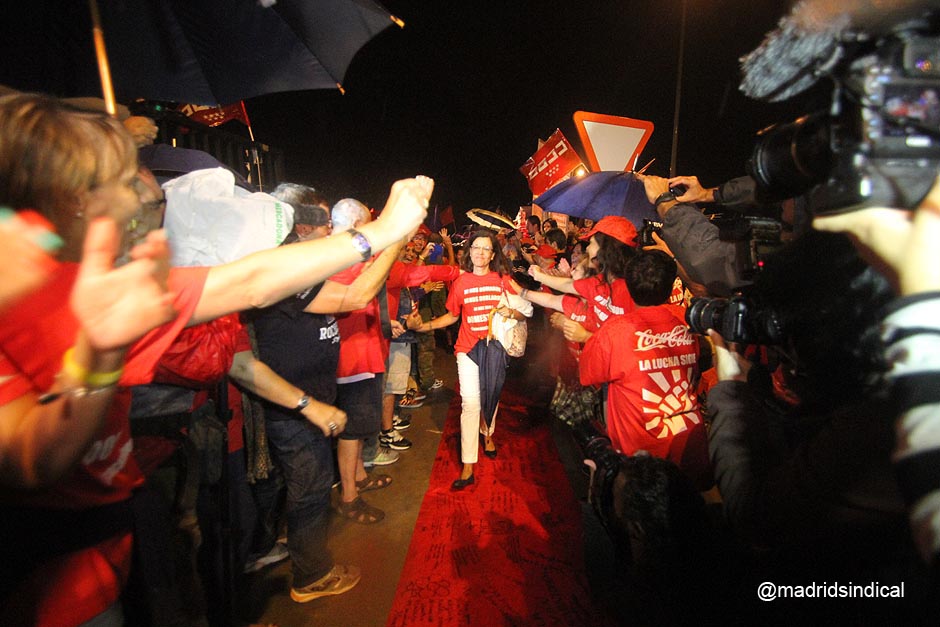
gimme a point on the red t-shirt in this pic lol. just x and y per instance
(473, 297)
(362, 347)
(577, 309)
(34, 335)
(406, 275)
(650, 360)
(607, 299)
(677, 297)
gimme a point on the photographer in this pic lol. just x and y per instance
(905, 245)
(810, 479)
(695, 240)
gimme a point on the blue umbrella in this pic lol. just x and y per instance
(490, 357)
(600, 194)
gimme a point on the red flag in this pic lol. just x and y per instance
(552, 162)
(447, 215)
(214, 116)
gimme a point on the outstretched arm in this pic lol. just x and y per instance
(415, 323)
(562, 284)
(335, 297)
(266, 277)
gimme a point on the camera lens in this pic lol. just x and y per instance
(788, 159)
(704, 314)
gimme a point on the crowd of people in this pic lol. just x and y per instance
(818, 447)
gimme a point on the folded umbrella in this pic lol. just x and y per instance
(490, 357)
(600, 194)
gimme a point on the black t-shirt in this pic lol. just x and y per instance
(301, 347)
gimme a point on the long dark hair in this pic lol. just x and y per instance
(498, 263)
(612, 257)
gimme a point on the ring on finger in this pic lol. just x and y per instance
(332, 426)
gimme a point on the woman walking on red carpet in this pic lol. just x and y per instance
(474, 295)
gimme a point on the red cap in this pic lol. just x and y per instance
(546, 251)
(617, 227)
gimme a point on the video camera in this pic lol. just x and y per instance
(879, 142)
(755, 238)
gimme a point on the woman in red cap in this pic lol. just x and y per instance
(612, 243)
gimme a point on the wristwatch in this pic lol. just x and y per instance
(302, 403)
(361, 244)
(664, 197)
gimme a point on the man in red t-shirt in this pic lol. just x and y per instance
(650, 360)
(363, 351)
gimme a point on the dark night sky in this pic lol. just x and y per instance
(465, 90)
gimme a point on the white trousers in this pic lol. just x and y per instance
(471, 426)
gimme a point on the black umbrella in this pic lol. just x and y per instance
(491, 358)
(168, 162)
(600, 194)
(197, 51)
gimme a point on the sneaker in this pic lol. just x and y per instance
(438, 383)
(339, 580)
(393, 440)
(401, 423)
(384, 457)
(278, 553)
(410, 400)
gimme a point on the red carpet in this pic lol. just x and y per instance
(507, 550)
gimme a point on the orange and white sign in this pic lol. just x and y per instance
(612, 143)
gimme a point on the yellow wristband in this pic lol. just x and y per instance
(81, 374)
(104, 379)
(72, 368)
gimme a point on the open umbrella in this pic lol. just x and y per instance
(490, 219)
(196, 51)
(490, 357)
(600, 194)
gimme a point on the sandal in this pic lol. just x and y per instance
(373, 482)
(359, 511)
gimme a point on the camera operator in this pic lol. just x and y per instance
(695, 240)
(811, 482)
(905, 246)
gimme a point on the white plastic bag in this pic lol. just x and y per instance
(210, 221)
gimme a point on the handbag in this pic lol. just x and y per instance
(511, 333)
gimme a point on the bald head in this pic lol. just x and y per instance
(349, 213)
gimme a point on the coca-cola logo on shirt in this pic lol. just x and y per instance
(678, 336)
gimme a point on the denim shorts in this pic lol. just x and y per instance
(362, 402)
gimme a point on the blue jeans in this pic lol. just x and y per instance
(306, 461)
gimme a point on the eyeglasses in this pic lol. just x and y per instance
(154, 205)
(481, 249)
